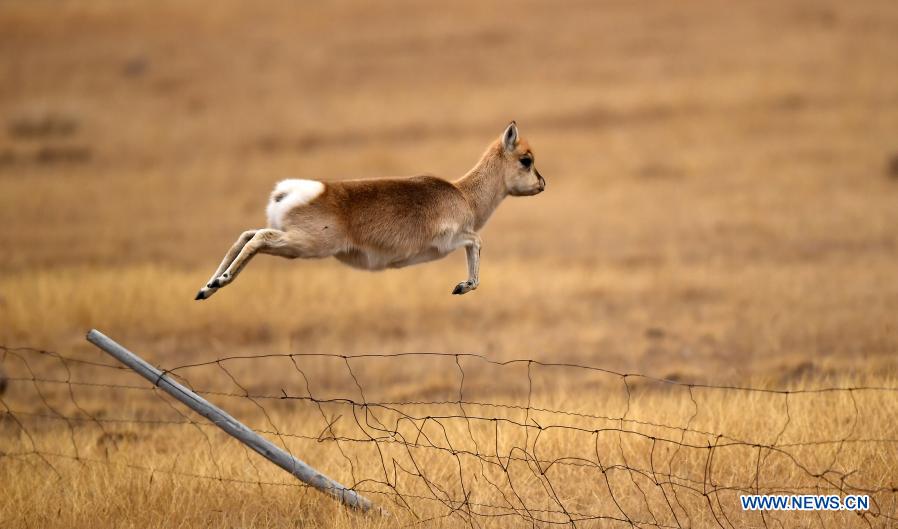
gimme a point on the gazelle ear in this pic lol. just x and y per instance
(510, 137)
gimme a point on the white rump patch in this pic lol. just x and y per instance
(289, 194)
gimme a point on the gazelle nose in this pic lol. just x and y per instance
(542, 182)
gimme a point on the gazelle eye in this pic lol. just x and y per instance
(526, 161)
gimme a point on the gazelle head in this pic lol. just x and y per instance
(518, 166)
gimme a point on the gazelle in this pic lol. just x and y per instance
(388, 222)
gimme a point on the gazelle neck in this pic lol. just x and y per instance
(484, 186)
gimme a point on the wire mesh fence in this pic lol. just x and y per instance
(459, 439)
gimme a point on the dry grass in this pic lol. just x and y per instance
(720, 203)
(437, 439)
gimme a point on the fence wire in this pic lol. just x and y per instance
(443, 439)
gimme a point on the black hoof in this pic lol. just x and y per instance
(459, 289)
(200, 295)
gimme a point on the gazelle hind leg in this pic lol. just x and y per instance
(267, 241)
(225, 263)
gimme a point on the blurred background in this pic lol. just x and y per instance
(722, 178)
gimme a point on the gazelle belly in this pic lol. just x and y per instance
(380, 258)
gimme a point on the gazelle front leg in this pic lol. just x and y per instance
(472, 250)
(229, 257)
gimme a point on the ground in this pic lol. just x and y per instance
(720, 205)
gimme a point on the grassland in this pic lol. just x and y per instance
(439, 441)
(721, 203)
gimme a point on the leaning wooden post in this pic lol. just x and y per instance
(232, 426)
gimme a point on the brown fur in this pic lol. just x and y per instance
(393, 222)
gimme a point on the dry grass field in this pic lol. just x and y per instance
(721, 207)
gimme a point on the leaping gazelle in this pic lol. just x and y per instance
(388, 222)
